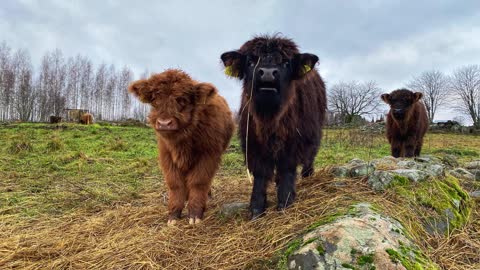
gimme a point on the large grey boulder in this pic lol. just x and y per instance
(363, 240)
(462, 173)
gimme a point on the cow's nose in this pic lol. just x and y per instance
(164, 122)
(268, 74)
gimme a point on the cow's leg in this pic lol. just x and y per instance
(262, 170)
(177, 192)
(396, 147)
(287, 172)
(410, 145)
(418, 147)
(310, 154)
(177, 195)
(199, 180)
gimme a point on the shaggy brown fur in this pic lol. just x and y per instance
(193, 125)
(286, 111)
(86, 119)
(407, 122)
(55, 119)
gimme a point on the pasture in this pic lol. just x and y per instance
(92, 197)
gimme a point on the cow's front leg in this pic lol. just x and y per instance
(396, 147)
(262, 173)
(287, 173)
(410, 144)
(199, 180)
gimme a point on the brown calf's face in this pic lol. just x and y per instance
(267, 66)
(173, 96)
(400, 102)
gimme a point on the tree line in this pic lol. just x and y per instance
(30, 94)
(459, 91)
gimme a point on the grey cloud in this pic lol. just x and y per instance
(386, 41)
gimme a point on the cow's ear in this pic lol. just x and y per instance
(418, 96)
(202, 92)
(233, 62)
(386, 98)
(303, 63)
(142, 90)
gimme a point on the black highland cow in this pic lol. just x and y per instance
(285, 98)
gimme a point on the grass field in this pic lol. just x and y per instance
(75, 196)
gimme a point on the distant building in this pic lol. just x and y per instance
(73, 115)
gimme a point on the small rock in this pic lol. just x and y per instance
(233, 209)
(427, 159)
(413, 175)
(475, 194)
(380, 180)
(462, 173)
(450, 161)
(476, 173)
(435, 169)
(361, 170)
(473, 165)
(407, 164)
(340, 171)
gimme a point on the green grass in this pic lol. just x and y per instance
(50, 169)
(73, 167)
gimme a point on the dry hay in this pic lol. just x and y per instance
(135, 235)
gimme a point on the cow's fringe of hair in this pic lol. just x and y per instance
(248, 118)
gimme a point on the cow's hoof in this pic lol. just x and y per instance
(171, 222)
(194, 220)
(307, 172)
(283, 206)
(257, 213)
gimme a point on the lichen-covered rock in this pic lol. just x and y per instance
(354, 168)
(450, 161)
(380, 180)
(473, 165)
(363, 240)
(475, 194)
(462, 173)
(476, 173)
(381, 172)
(233, 209)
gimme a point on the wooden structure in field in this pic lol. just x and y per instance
(74, 115)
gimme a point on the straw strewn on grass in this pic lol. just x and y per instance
(135, 236)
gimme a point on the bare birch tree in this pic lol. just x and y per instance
(435, 88)
(465, 83)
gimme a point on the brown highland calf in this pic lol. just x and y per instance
(86, 119)
(407, 122)
(193, 125)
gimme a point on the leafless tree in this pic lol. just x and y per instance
(7, 81)
(465, 83)
(52, 82)
(124, 79)
(435, 89)
(353, 98)
(74, 82)
(25, 92)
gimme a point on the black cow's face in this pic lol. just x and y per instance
(267, 77)
(401, 101)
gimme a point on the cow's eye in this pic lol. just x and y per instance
(182, 101)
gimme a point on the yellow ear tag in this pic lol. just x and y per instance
(306, 69)
(229, 72)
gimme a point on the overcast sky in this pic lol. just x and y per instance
(385, 41)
